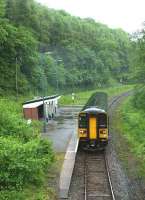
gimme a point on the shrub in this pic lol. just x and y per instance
(139, 98)
(12, 195)
(13, 124)
(134, 127)
(21, 164)
(24, 157)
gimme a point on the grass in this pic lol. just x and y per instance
(82, 97)
(130, 138)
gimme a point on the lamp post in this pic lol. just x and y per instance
(43, 88)
(43, 94)
(16, 76)
(56, 72)
(57, 82)
(44, 115)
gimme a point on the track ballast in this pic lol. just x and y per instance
(91, 180)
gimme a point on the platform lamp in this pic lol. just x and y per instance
(16, 77)
(43, 98)
(57, 74)
(57, 61)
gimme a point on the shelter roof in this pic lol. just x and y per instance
(38, 102)
(33, 105)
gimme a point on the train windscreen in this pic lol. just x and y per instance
(82, 121)
(102, 118)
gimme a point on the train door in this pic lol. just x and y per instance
(93, 127)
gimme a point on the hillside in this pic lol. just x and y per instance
(43, 49)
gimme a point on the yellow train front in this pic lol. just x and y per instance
(93, 128)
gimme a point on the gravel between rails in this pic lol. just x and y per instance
(90, 177)
(97, 183)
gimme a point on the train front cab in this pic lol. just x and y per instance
(93, 128)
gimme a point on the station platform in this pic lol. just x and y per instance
(68, 166)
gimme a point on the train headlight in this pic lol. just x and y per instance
(103, 131)
(83, 132)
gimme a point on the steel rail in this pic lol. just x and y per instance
(85, 179)
(109, 177)
(116, 98)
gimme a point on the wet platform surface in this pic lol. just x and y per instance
(60, 130)
(67, 168)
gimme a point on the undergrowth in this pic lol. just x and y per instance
(82, 97)
(132, 128)
(25, 157)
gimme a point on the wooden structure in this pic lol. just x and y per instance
(42, 108)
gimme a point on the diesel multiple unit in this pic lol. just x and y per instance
(93, 126)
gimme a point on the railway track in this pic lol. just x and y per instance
(91, 178)
(97, 179)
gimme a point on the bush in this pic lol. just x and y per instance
(12, 195)
(21, 164)
(134, 127)
(139, 98)
(12, 123)
(24, 157)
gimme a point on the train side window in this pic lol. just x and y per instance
(82, 122)
(102, 120)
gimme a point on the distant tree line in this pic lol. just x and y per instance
(51, 49)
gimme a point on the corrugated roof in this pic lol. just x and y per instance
(41, 99)
(33, 105)
(36, 103)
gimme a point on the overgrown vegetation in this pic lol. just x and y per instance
(82, 97)
(131, 127)
(24, 156)
(52, 49)
(133, 109)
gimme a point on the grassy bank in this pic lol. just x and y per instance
(82, 97)
(129, 137)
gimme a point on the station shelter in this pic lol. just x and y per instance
(41, 108)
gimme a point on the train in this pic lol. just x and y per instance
(93, 123)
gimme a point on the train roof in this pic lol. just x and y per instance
(93, 109)
(99, 100)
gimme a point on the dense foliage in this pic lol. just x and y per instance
(24, 156)
(138, 69)
(132, 127)
(48, 48)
